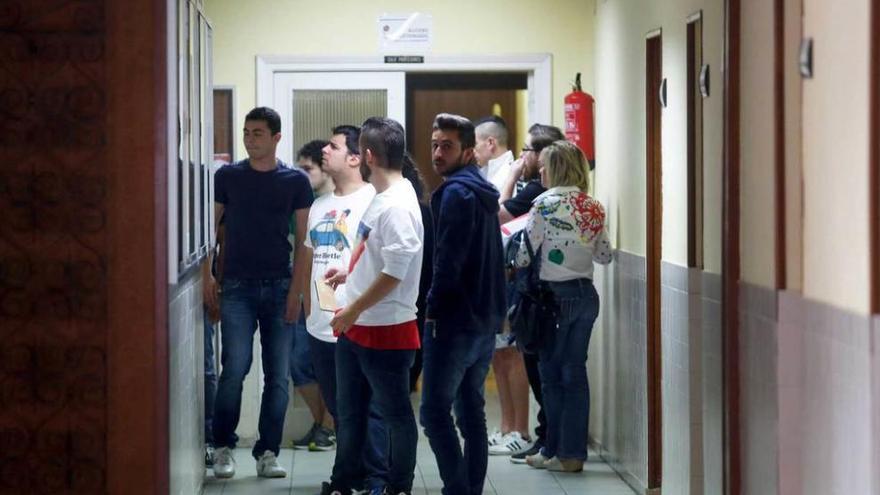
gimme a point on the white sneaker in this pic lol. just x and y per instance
(224, 463)
(537, 461)
(513, 443)
(495, 437)
(267, 466)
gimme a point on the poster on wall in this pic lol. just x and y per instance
(405, 34)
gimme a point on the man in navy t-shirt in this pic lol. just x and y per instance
(256, 199)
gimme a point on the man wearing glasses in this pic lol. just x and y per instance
(524, 181)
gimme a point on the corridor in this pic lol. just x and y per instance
(308, 469)
(734, 146)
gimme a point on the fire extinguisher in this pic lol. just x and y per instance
(579, 120)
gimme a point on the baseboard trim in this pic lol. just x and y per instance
(625, 475)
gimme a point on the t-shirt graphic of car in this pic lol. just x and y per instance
(331, 231)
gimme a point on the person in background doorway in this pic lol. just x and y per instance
(494, 160)
(566, 228)
(465, 308)
(491, 150)
(320, 436)
(256, 199)
(308, 159)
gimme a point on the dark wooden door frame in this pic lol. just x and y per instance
(653, 177)
(137, 442)
(694, 141)
(730, 256)
(874, 165)
(779, 131)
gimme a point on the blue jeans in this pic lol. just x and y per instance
(210, 380)
(375, 453)
(370, 376)
(244, 303)
(455, 367)
(301, 371)
(563, 367)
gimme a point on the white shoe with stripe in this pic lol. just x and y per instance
(510, 444)
(495, 437)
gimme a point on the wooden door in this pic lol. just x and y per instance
(653, 176)
(425, 104)
(875, 158)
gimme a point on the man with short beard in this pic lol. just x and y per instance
(465, 307)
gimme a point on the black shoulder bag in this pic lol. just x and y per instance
(536, 315)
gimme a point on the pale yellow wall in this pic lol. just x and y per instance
(621, 27)
(794, 235)
(243, 30)
(757, 145)
(835, 154)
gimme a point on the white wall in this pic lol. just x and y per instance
(620, 89)
(835, 155)
(621, 27)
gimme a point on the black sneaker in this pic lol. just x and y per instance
(303, 443)
(521, 457)
(329, 489)
(323, 440)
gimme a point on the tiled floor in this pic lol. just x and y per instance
(308, 469)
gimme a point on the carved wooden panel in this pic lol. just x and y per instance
(53, 243)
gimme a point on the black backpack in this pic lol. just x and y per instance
(535, 316)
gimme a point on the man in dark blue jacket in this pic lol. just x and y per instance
(465, 308)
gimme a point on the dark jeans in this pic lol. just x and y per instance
(455, 367)
(375, 455)
(210, 380)
(563, 365)
(244, 303)
(370, 376)
(531, 362)
(302, 372)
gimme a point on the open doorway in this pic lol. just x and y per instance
(529, 72)
(471, 95)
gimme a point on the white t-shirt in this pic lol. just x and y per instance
(333, 224)
(497, 170)
(389, 240)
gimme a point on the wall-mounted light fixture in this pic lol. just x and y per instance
(662, 94)
(806, 58)
(704, 81)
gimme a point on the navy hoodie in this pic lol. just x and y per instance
(468, 291)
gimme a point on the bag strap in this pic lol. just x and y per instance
(529, 247)
(534, 261)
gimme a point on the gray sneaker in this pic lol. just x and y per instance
(303, 443)
(268, 467)
(224, 463)
(323, 440)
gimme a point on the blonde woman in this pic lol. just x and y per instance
(566, 228)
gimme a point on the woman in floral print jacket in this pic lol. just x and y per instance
(568, 226)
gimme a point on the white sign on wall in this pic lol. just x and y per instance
(405, 34)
